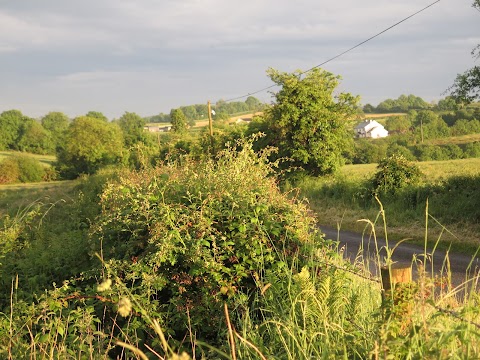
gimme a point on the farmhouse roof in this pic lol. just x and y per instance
(369, 123)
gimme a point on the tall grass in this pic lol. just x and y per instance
(450, 186)
(282, 292)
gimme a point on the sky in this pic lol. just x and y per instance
(148, 56)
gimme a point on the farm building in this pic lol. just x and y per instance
(151, 128)
(370, 129)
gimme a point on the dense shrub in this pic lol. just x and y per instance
(190, 238)
(400, 150)
(369, 151)
(21, 168)
(394, 173)
(9, 171)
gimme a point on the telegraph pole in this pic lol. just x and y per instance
(210, 119)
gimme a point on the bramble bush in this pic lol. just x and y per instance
(395, 172)
(21, 168)
(187, 239)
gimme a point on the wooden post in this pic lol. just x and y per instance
(397, 301)
(210, 119)
(395, 274)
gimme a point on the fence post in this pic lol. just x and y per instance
(395, 274)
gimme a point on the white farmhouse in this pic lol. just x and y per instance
(370, 129)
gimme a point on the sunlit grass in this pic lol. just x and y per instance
(433, 170)
(463, 139)
(46, 160)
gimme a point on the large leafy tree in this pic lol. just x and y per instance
(132, 126)
(34, 138)
(57, 124)
(466, 87)
(10, 122)
(178, 120)
(91, 143)
(307, 121)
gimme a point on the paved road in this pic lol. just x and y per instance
(460, 265)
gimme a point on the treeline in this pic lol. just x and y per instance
(414, 136)
(405, 103)
(222, 110)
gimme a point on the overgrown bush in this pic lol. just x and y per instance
(393, 173)
(21, 168)
(190, 238)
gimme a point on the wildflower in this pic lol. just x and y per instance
(124, 306)
(104, 286)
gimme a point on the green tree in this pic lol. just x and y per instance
(34, 138)
(10, 122)
(447, 104)
(90, 144)
(395, 172)
(178, 120)
(132, 126)
(253, 103)
(307, 121)
(368, 109)
(57, 124)
(190, 112)
(398, 124)
(466, 87)
(97, 115)
(428, 125)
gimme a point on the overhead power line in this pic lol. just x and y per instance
(342, 53)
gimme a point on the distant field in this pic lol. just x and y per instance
(433, 170)
(464, 139)
(201, 123)
(375, 116)
(46, 160)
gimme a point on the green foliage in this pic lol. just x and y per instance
(466, 87)
(91, 143)
(34, 138)
(447, 104)
(96, 115)
(132, 127)
(428, 125)
(395, 172)
(307, 121)
(10, 122)
(57, 124)
(369, 151)
(21, 168)
(196, 236)
(178, 120)
(404, 103)
(398, 124)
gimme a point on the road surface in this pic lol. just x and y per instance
(461, 266)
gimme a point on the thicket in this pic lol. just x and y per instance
(23, 169)
(180, 244)
(452, 201)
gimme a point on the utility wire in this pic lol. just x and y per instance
(343, 53)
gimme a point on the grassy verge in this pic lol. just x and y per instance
(46, 160)
(450, 187)
(16, 196)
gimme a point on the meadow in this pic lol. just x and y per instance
(45, 160)
(449, 186)
(207, 261)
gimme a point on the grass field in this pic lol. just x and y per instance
(433, 170)
(46, 160)
(15, 197)
(331, 199)
(463, 139)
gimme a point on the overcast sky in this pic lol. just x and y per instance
(148, 56)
